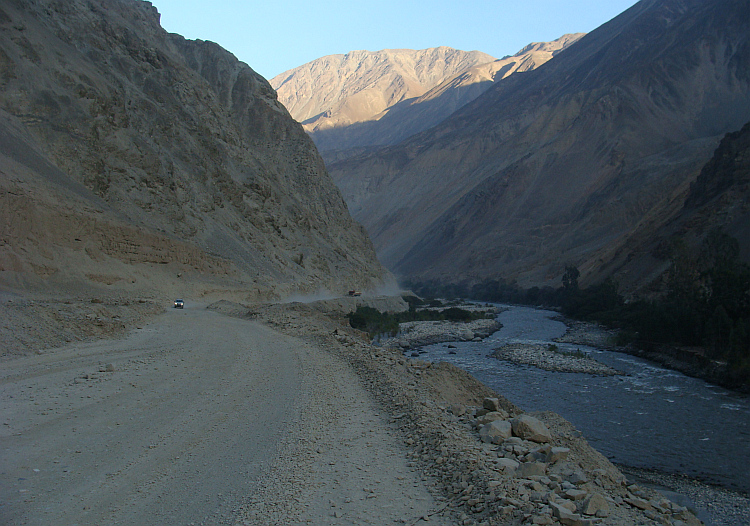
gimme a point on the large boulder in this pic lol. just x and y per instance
(597, 505)
(491, 417)
(530, 428)
(496, 431)
(565, 516)
(507, 465)
(491, 404)
(531, 469)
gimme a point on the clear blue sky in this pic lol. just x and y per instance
(275, 36)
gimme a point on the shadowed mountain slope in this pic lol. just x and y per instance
(135, 158)
(360, 84)
(348, 124)
(718, 198)
(558, 165)
(338, 91)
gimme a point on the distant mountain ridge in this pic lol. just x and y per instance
(360, 84)
(382, 98)
(558, 165)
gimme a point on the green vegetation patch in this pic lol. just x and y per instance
(375, 322)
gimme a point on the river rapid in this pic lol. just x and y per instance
(651, 417)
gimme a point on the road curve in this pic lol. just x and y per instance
(177, 433)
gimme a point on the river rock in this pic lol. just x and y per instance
(639, 503)
(458, 409)
(530, 428)
(568, 505)
(557, 454)
(576, 477)
(491, 404)
(575, 494)
(507, 465)
(565, 516)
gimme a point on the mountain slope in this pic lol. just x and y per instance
(718, 198)
(139, 157)
(411, 116)
(340, 90)
(552, 166)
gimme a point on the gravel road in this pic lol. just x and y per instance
(183, 422)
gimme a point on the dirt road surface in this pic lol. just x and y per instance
(184, 421)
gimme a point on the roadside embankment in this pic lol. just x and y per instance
(485, 460)
(31, 323)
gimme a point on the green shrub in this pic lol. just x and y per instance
(374, 322)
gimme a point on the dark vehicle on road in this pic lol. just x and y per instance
(179, 304)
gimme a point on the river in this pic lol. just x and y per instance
(652, 417)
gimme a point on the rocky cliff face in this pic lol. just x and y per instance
(720, 195)
(130, 153)
(559, 165)
(718, 198)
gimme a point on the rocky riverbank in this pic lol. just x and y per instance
(688, 361)
(418, 333)
(550, 358)
(586, 333)
(486, 461)
(716, 505)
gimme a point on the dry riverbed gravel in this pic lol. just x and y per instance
(549, 358)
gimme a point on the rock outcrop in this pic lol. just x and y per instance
(717, 199)
(134, 158)
(559, 165)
